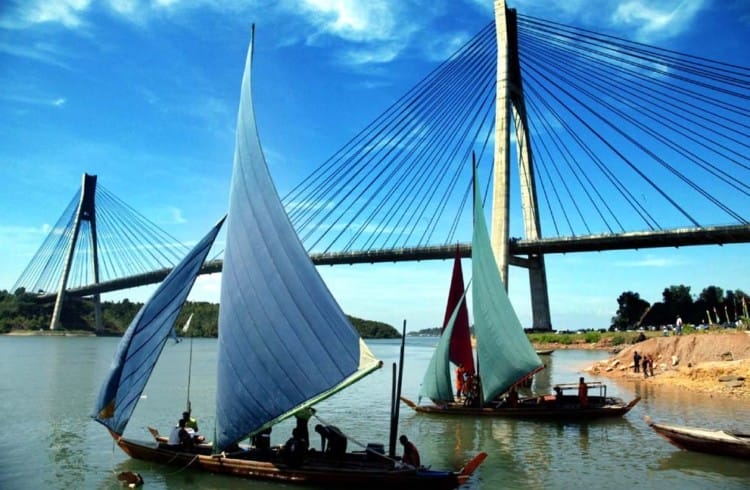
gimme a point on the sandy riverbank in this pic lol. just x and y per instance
(717, 364)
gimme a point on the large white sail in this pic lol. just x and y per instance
(284, 342)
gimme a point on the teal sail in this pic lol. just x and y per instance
(436, 384)
(504, 353)
(143, 341)
(284, 342)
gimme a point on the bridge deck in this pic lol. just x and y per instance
(717, 235)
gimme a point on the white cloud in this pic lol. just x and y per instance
(34, 99)
(377, 31)
(652, 20)
(176, 215)
(644, 20)
(440, 47)
(374, 20)
(42, 52)
(66, 12)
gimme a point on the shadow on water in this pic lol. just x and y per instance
(705, 465)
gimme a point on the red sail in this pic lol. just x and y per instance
(461, 352)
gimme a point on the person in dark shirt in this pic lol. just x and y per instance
(262, 440)
(636, 362)
(303, 417)
(295, 449)
(332, 440)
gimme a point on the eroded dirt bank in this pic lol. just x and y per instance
(716, 364)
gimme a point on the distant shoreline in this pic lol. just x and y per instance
(51, 333)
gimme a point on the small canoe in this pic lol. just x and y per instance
(709, 441)
(545, 352)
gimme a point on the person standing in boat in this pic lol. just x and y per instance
(411, 455)
(460, 380)
(332, 440)
(303, 417)
(583, 393)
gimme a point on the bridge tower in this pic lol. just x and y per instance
(86, 211)
(509, 99)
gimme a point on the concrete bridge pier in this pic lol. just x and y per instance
(510, 99)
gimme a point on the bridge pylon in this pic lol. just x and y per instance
(86, 211)
(510, 99)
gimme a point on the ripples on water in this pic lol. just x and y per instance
(47, 388)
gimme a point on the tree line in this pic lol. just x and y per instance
(23, 311)
(712, 306)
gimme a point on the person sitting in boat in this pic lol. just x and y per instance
(332, 440)
(191, 426)
(558, 395)
(262, 440)
(181, 438)
(295, 449)
(411, 455)
(190, 422)
(474, 391)
(583, 393)
(513, 397)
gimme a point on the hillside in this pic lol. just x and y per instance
(718, 363)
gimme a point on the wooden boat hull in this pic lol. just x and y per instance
(706, 441)
(533, 409)
(356, 470)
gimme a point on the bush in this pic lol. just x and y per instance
(618, 339)
(565, 339)
(592, 337)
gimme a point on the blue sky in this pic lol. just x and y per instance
(144, 94)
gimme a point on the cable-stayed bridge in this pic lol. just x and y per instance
(618, 145)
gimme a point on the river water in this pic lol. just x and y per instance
(48, 440)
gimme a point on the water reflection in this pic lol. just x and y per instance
(51, 404)
(699, 464)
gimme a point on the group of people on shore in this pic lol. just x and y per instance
(643, 363)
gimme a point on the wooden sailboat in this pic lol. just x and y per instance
(284, 345)
(704, 440)
(505, 357)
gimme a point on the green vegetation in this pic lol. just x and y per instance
(22, 311)
(593, 337)
(370, 329)
(711, 306)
